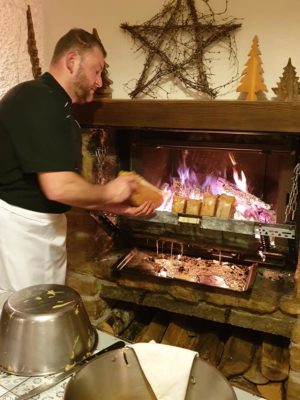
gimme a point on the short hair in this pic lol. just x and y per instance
(77, 39)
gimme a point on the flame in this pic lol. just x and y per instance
(188, 186)
(189, 181)
(241, 183)
(232, 159)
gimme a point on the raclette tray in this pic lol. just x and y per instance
(225, 275)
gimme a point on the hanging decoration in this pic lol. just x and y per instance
(288, 87)
(32, 48)
(252, 85)
(179, 42)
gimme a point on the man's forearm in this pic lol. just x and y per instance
(70, 188)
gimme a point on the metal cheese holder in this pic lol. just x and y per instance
(117, 375)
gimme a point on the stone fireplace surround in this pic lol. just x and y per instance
(272, 306)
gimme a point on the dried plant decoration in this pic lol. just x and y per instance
(252, 85)
(105, 91)
(288, 87)
(178, 42)
(32, 48)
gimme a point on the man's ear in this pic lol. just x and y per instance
(71, 60)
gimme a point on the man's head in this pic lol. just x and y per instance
(77, 64)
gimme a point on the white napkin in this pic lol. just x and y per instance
(167, 368)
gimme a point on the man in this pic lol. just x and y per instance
(40, 161)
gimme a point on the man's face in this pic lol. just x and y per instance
(88, 76)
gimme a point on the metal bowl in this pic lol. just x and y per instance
(44, 329)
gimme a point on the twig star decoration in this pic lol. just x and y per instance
(178, 42)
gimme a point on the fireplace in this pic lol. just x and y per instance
(218, 146)
(254, 171)
(204, 155)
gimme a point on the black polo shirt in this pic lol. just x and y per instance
(37, 134)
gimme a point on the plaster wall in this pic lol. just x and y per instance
(15, 65)
(275, 23)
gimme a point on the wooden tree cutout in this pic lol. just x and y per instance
(252, 81)
(288, 88)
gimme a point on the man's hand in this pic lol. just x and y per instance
(119, 189)
(125, 209)
(70, 188)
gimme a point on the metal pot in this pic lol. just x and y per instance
(117, 375)
(44, 329)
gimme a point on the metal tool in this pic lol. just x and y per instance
(125, 260)
(45, 386)
(106, 224)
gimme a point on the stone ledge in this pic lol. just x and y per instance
(112, 291)
(275, 323)
(263, 297)
(85, 284)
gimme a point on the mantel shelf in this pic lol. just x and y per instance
(219, 115)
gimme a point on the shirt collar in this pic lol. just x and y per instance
(53, 84)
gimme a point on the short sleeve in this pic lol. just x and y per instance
(44, 133)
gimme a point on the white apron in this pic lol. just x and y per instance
(32, 248)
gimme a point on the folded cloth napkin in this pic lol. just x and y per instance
(167, 368)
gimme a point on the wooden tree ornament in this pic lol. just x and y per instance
(252, 83)
(288, 88)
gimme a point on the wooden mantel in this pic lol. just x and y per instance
(220, 115)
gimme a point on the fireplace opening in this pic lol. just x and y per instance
(225, 202)
(255, 169)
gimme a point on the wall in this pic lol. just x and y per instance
(275, 23)
(15, 65)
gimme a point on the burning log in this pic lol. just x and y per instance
(249, 206)
(243, 197)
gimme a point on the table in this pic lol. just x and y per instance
(12, 386)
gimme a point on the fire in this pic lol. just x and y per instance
(241, 183)
(247, 206)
